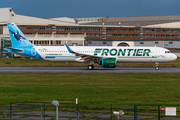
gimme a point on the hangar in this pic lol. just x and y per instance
(161, 31)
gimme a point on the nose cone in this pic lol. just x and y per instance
(173, 57)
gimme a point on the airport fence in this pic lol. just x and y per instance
(47, 111)
(157, 112)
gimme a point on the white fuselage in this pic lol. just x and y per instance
(122, 54)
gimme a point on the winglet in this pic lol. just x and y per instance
(68, 48)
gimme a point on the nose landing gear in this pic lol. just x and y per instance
(156, 67)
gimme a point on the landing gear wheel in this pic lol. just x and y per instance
(157, 68)
(90, 67)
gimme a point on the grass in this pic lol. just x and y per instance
(90, 88)
(34, 62)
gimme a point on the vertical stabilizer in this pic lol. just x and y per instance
(17, 37)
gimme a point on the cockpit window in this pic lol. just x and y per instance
(167, 52)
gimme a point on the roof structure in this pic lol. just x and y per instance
(138, 21)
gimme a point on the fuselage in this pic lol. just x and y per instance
(122, 54)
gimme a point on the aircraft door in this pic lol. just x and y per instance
(157, 52)
(33, 51)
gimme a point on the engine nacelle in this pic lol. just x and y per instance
(108, 62)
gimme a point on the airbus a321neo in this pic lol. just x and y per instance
(103, 55)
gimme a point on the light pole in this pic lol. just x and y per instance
(56, 103)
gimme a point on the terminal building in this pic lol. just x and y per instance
(160, 31)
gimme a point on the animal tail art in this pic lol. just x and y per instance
(17, 37)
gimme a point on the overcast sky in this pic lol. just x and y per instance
(93, 8)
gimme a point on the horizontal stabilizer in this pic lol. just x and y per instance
(16, 50)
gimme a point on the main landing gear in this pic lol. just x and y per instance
(156, 67)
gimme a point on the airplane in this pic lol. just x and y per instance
(106, 56)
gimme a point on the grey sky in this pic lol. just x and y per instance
(93, 8)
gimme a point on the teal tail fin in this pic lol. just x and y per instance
(17, 37)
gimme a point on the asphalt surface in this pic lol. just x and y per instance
(85, 70)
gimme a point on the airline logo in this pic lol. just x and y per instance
(121, 52)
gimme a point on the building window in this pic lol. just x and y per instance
(156, 42)
(48, 29)
(131, 35)
(157, 35)
(89, 42)
(136, 30)
(178, 36)
(152, 35)
(85, 29)
(146, 30)
(108, 29)
(109, 35)
(120, 30)
(91, 35)
(136, 35)
(97, 35)
(29, 28)
(163, 31)
(23, 28)
(168, 36)
(97, 29)
(158, 31)
(173, 31)
(120, 35)
(141, 42)
(91, 29)
(35, 28)
(58, 42)
(104, 42)
(163, 36)
(173, 36)
(42, 28)
(79, 29)
(178, 31)
(146, 35)
(114, 35)
(67, 29)
(126, 30)
(125, 35)
(131, 30)
(114, 30)
(73, 29)
(152, 30)
(168, 31)
(61, 29)
(170, 42)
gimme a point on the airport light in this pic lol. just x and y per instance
(119, 114)
(56, 103)
(77, 109)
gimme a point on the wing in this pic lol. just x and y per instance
(85, 57)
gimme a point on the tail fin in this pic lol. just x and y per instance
(17, 37)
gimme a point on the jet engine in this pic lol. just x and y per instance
(108, 62)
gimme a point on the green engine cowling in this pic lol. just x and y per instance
(108, 62)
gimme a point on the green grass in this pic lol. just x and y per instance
(34, 62)
(90, 88)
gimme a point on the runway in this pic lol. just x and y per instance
(84, 70)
